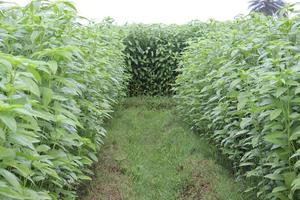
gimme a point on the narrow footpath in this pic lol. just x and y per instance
(149, 154)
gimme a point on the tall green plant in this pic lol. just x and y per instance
(59, 79)
(240, 88)
(152, 55)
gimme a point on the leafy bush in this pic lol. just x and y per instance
(58, 81)
(240, 88)
(152, 55)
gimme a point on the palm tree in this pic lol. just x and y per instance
(267, 7)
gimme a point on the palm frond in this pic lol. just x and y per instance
(267, 7)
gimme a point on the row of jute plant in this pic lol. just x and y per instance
(153, 55)
(59, 77)
(240, 88)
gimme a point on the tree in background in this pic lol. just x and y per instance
(267, 7)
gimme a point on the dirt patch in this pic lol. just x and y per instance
(106, 192)
(190, 192)
(108, 180)
(198, 188)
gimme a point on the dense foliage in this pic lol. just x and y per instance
(240, 88)
(60, 75)
(58, 81)
(152, 55)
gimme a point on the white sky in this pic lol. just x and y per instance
(160, 11)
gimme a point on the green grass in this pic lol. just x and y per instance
(149, 154)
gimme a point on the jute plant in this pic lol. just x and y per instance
(58, 81)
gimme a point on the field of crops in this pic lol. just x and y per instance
(153, 54)
(59, 79)
(239, 88)
(235, 83)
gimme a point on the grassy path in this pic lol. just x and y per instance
(150, 155)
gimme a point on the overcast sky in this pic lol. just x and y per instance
(160, 11)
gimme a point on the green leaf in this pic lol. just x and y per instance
(9, 121)
(247, 164)
(20, 167)
(6, 65)
(289, 178)
(7, 153)
(275, 113)
(93, 156)
(242, 101)
(23, 140)
(43, 115)
(279, 189)
(295, 185)
(295, 133)
(297, 164)
(11, 193)
(47, 95)
(53, 66)
(34, 36)
(10, 178)
(278, 138)
(245, 122)
(28, 84)
(277, 177)
(297, 91)
(83, 177)
(280, 91)
(43, 148)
